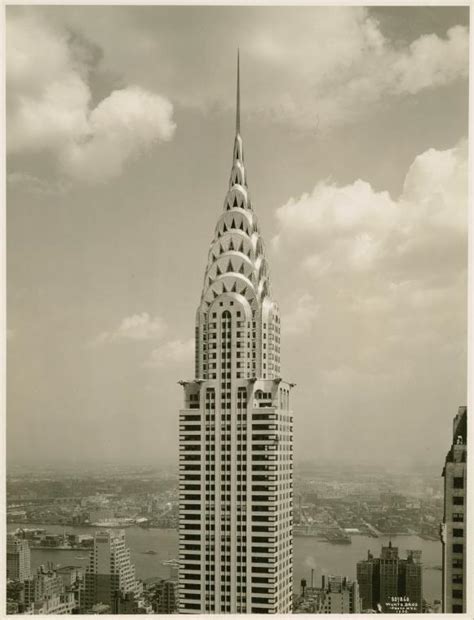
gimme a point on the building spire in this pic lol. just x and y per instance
(237, 110)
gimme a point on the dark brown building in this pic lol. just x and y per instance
(391, 584)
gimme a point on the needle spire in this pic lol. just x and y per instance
(237, 112)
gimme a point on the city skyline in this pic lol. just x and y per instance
(361, 191)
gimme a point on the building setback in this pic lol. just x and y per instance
(110, 574)
(453, 527)
(389, 583)
(236, 428)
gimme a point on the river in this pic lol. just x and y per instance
(309, 553)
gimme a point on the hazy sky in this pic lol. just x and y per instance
(120, 128)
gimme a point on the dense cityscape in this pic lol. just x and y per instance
(58, 521)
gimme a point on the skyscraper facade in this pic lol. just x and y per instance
(236, 428)
(390, 583)
(453, 528)
(18, 558)
(110, 573)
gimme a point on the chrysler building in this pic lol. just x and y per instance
(236, 428)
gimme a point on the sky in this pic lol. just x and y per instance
(120, 126)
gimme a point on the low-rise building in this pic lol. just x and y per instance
(46, 593)
(337, 595)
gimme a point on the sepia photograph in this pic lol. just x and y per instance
(236, 309)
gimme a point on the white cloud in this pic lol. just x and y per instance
(389, 275)
(339, 209)
(359, 68)
(49, 104)
(431, 61)
(381, 70)
(172, 352)
(353, 66)
(137, 327)
(386, 351)
(122, 126)
(341, 230)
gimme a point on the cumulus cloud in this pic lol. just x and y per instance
(431, 61)
(172, 352)
(385, 354)
(361, 226)
(137, 327)
(354, 66)
(382, 268)
(382, 69)
(359, 68)
(49, 104)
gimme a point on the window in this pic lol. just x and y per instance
(458, 532)
(458, 482)
(457, 548)
(457, 593)
(458, 501)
